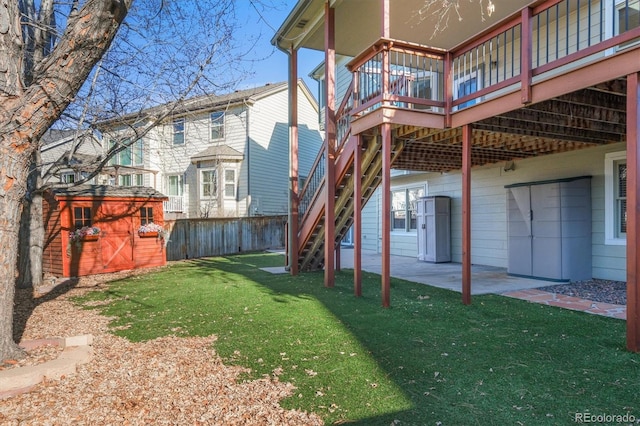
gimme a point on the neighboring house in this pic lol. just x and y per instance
(68, 155)
(217, 156)
(502, 110)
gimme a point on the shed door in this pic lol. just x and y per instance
(519, 228)
(117, 245)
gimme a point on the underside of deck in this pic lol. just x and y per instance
(585, 118)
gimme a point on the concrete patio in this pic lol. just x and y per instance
(484, 279)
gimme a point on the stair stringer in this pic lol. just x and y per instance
(311, 256)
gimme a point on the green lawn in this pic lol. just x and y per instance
(427, 359)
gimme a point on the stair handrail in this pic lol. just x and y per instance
(343, 118)
(313, 182)
(317, 171)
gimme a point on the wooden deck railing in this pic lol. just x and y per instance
(507, 57)
(393, 73)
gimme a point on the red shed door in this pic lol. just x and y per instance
(117, 245)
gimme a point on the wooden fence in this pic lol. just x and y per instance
(193, 238)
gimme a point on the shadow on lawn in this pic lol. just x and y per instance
(499, 358)
(497, 361)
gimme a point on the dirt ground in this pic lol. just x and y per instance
(167, 381)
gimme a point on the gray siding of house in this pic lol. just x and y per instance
(269, 156)
(488, 208)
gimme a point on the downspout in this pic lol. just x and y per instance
(291, 238)
(250, 213)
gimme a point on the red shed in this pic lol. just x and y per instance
(94, 229)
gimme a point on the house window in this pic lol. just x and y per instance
(124, 180)
(464, 87)
(404, 208)
(208, 183)
(131, 155)
(217, 125)
(131, 180)
(302, 180)
(146, 215)
(175, 186)
(620, 198)
(69, 177)
(628, 15)
(125, 157)
(138, 152)
(615, 175)
(178, 131)
(229, 183)
(81, 217)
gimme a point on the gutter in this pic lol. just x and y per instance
(291, 20)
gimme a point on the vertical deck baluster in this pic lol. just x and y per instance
(490, 61)
(484, 54)
(497, 58)
(505, 59)
(578, 25)
(433, 78)
(567, 24)
(513, 51)
(601, 20)
(589, 23)
(546, 39)
(536, 40)
(626, 15)
(557, 7)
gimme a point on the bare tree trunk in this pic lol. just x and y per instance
(26, 113)
(31, 235)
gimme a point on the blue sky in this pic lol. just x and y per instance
(271, 64)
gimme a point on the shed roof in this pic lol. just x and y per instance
(104, 191)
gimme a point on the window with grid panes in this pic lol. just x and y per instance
(230, 183)
(217, 125)
(621, 199)
(146, 215)
(81, 217)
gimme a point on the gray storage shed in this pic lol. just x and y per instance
(434, 229)
(549, 229)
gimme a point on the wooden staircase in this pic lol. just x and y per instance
(312, 226)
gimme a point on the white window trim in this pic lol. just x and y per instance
(64, 177)
(180, 185)
(173, 131)
(609, 199)
(201, 195)
(611, 16)
(235, 185)
(406, 188)
(223, 125)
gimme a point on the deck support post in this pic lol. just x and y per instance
(293, 220)
(357, 215)
(466, 214)
(330, 146)
(385, 26)
(448, 89)
(633, 211)
(386, 214)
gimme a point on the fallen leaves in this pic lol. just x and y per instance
(170, 380)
